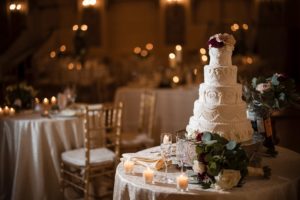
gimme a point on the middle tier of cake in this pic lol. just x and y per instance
(217, 95)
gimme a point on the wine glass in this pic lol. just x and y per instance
(166, 152)
(180, 148)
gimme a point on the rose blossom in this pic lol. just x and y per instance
(227, 179)
(219, 40)
(263, 87)
(198, 167)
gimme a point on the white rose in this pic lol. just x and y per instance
(198, 167)
(227, 179)
(263, 87)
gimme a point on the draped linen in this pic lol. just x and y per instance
(284, 183)
(30, 151)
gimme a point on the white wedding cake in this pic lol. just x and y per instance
(220, 108)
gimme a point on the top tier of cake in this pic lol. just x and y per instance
(220, 49)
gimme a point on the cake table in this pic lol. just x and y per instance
(284, 183)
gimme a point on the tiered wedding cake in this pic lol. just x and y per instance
(220, 108)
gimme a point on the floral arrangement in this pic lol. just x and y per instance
(266, 95)
(220, 40)
(20, 95)
(222, 164)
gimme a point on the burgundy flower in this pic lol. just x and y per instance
(214, 43)
(199, 136)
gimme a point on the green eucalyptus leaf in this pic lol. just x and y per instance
(231, 145)
(206, 137)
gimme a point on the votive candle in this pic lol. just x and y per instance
(1, 111)
(148, 175)
(182, 182)
(128, 166)
(45, 101)
(6, 110)
(12, 111)
(53, 100)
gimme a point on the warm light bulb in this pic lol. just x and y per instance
(144, 53)
(202, 51)
(70, 66)
(52, 54)
(63, 48)
(245, 26)
(175, 79)
(149, 46)
(19, 6)
(75, 27)
(84, 27)
(204, 58)
(178, 47)
(172, 56)
(12, 6)
(236, 26)
(137, 50)
(249, 60)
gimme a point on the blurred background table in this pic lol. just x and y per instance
(284, 183)
(30, 148)
(173, 108)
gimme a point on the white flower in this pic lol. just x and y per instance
(227, 179)
(18, 102)
(199, 167)
(263, 87)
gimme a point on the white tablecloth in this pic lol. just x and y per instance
(284, 183)
(30, 148)
(172, 110)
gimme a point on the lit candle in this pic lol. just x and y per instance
(128, 166)
(45, 101)
(36, 100)
(53, 100)
(148, 175)
(166, 139)
(172, 60)
(1, 111)
(12, 111)
(182, 182)
(6, 110)
(178, 53)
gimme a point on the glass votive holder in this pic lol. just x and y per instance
(128, 166)
(148, 176)
(182, 182)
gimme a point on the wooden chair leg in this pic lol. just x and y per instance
(62, 182)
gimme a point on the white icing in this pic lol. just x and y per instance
(216, 75)
(220, 56)
(220, 108)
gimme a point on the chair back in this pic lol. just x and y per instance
(146, 112)
(102, 127)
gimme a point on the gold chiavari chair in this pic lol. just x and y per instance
(98, 159)
(142, 137)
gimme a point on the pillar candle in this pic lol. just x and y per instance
(53, 100)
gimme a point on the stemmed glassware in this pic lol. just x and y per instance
(180, 149)
(166, 152)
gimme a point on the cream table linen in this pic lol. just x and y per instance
(30, 148)
(172, 111)
(284, 183)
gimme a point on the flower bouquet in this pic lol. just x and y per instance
(20, 95)
(223, 164)
(266, 95)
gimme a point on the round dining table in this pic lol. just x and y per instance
(30, 151)
(284, 183)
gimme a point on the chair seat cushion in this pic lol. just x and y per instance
(97, 156)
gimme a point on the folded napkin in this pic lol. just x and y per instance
(152, 161)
